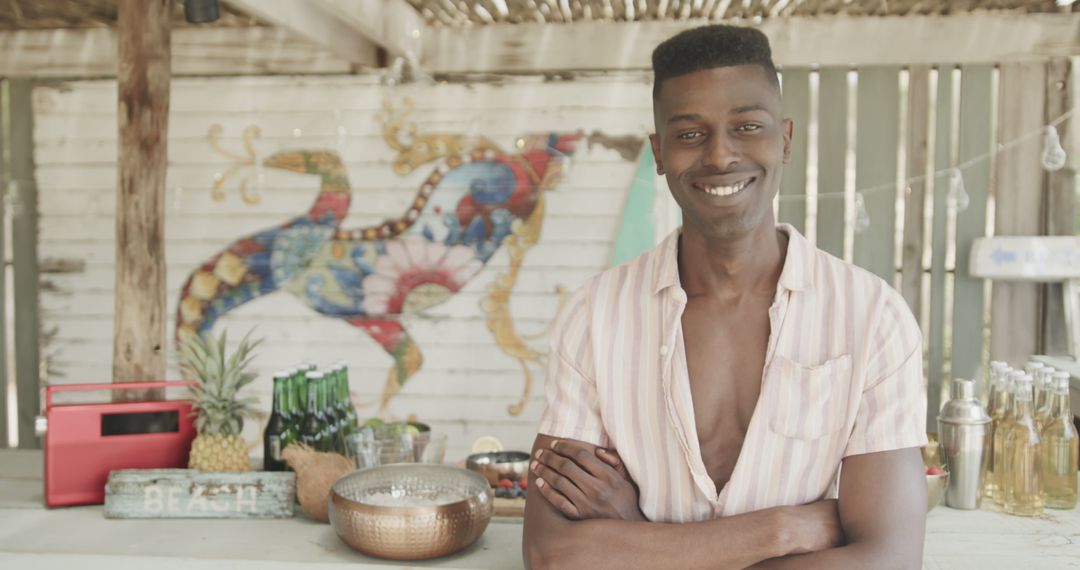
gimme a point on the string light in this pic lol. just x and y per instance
(862, 216)
(957, 191)
(1053, 155)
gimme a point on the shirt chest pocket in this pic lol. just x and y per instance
(809, 401)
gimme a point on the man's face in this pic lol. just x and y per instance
(721, 141)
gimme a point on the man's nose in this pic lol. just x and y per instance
(721, 152)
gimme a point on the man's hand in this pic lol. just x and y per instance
(584, 484)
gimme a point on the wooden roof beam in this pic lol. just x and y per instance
(311, 20)
(393, 25)
(195, 51)
(796, 41)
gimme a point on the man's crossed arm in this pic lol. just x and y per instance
(583, 512)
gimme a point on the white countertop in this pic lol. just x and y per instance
(32, 537)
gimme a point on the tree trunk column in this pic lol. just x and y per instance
(143, 76)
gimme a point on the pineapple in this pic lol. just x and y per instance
(219, 413)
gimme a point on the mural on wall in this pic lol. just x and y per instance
(477, 199)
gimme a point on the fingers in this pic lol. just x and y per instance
(611, 457)
(557, 499)
(584, 457)
(565, 468)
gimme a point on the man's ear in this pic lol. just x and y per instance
(789, 127)
(655, 143)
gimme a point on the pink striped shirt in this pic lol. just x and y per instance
(843, 376)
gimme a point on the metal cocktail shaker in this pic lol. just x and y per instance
(964, 432)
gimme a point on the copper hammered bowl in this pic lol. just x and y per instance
(364, 510)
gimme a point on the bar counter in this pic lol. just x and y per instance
(33, 537)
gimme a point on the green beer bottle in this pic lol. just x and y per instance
(294, 414)
(311, 431)
(330, 413)
(300, 389)
(275, 435)
(353, 419)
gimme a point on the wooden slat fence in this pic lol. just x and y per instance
(924, 121)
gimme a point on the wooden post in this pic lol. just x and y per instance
(24, 259)
(1059, 207)
(1015, 306)
(3, 281)
(143, 86)
(918, 145)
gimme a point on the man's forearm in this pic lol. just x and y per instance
(849, 556)
(731, 542)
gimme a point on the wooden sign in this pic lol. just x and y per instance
(185, 493)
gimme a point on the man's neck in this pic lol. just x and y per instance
(731, 268)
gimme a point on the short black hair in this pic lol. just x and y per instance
(709, 47)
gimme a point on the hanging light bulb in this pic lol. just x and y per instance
(178, 198)
(1053, 155)
(957, 193)
(862, 217)
(342, 132)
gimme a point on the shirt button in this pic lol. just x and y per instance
(663, 350)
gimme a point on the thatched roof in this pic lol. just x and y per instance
(51, 14)
(466, 12)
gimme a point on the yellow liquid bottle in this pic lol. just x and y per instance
(1058, 453)
(997, 405)
(1023, 494)
(1044, 381)
(1002, 422)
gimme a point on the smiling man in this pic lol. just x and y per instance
(709, 402)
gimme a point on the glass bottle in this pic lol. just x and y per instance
(1001, 422)
(1058, 453)
(330, 412)
(301, 387)
(1045, 379)
(275, 434)
(996, 406)
(294, 414)
(1023, 495)
(350, 409)
(311, 432)
(1032, 367)
(326, 416)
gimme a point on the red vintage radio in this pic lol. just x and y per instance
(83, 442)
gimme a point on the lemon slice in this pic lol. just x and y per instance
(486, 444)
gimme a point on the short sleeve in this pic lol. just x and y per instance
(892, 410)
(572, 408)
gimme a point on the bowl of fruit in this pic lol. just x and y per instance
(937, 477)
(507, 471)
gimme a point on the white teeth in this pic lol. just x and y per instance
(725, 190)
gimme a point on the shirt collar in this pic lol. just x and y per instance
(797, 274)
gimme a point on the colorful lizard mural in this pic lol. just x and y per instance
(476, 199)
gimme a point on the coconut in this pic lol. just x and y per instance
(316, 472)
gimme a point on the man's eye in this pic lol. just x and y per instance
(749, 127)
(689, 136)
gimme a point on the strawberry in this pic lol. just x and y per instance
(524, 484)
(934, 470)
(506, 483)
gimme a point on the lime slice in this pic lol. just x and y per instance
(411, 429)
(486, 444)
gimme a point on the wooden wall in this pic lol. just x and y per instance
(466, 381)
(867, 129)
